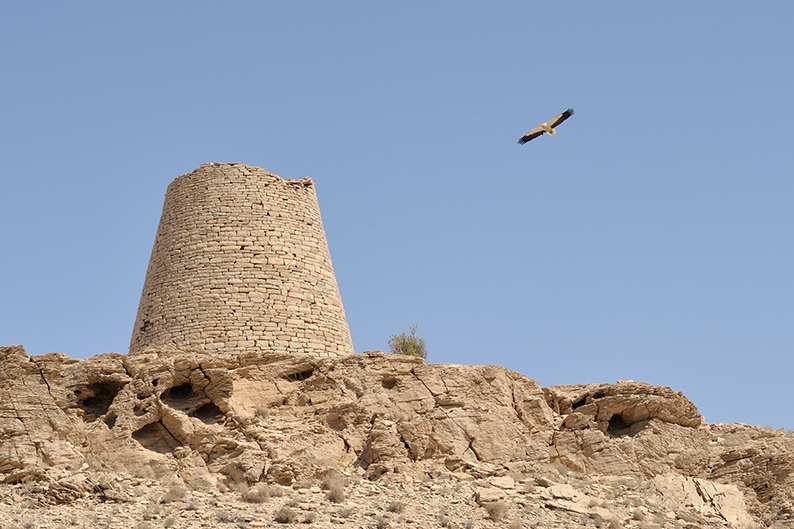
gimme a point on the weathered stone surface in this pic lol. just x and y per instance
(705, 497)
(240, 263)
(268, 416)
(285, 419)
(621, 409)
(485, 495)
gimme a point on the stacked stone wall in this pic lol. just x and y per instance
(240, 263)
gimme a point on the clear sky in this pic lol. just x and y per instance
(652, 239)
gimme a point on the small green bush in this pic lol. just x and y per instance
(410, 345)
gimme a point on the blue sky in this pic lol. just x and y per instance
(650, 240)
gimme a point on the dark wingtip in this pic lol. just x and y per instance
(570, 111)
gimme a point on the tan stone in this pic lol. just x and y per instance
(215, 259)
(285, 419)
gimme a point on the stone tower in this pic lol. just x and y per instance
(240, 263)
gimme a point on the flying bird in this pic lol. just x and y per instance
(546, 127)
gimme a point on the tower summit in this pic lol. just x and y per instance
(240, 263)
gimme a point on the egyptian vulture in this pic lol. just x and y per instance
(546, 127)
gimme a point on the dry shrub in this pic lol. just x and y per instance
(336, 492)
(306, 483)
(330, 477)
(334, 483)
(150, 511)
(562, 469)
(144, 472)
(259, 493)
(396, 507)
(285, 515)
(174, 493)
(496, 511)
(515, 524)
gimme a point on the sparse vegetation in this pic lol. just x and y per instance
(346, 512)
(259, 493)
(309, 518)
(396, 507)
(515, 524)
(496, 511)
(408, 344)
(334, 483)
(223, 517)
(159, 470)
(285, 515)
(381, 522)
(150, 510)
(174, 493)
(336, 493)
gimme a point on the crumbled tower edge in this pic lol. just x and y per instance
(241, 263)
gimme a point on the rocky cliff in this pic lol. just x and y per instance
(284, 419)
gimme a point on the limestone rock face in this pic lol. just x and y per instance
(627, 428)
(283, 418)
(266, 416)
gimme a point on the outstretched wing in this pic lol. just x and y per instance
(531, 135)
(559, 118)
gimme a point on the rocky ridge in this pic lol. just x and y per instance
(449, 443)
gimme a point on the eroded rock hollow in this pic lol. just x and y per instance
(280, 419)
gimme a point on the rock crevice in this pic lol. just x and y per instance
(282, 418)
